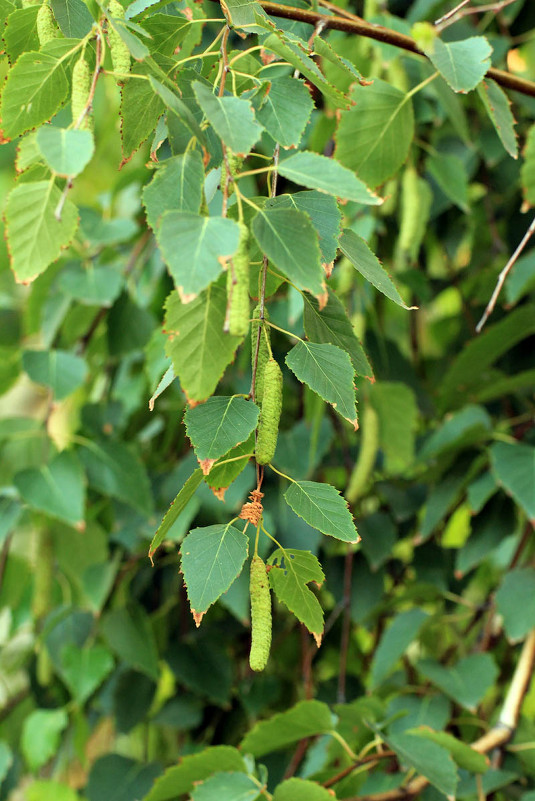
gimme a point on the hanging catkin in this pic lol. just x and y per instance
(263, 351)
(81, 84)
(268, 425)
(260, 614)
(120, 54)
(238, 286)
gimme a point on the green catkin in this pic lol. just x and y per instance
(416, 199)
(369, 445)
(238, 287)
(260, 614)
(81, 85)
(46, 25)
(263, 352)
(268, 425)
(235, 165)
(120, 54)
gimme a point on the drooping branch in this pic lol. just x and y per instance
(360, 27)
(498, 736)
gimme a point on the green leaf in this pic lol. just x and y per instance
(129, 634)
(463, 754)
(178, 107)
(41, 735)
(117, 777)
(222, 475)
(427, 758)
(289, 577)
(6, 760)
(115, 469)
(369, 266)
(193, 768)
(294, 53)
(243, 14)
(396, 407)
(48, 790)
(331, 325)
(34, 234)
(328, 371)
(324, 215)
(289, 240)
(232, 118)
(498, 108)
(326, 175)
(513, 464)
(176, 186)
(60, 370)
(516, 601)
(179, 504)
(90, 284)
(212, 557)
(226, 787)
(286, 110)
(483, 351)
(199, 350)
(67, 152)
(20, 32)
(402, 631)
(218, 425)
(39, 80)
(450, 174)
(84, 669)
(466, 682)
(305, 719)
(73, 17)
(322, 507)
(462, 64)
(57, 488)
(460, 430)
(194, 248)
(521, 280)
(301, 790)
(527, 172)
(382, 122)
(141, 107)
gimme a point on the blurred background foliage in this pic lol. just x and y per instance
(104, 679)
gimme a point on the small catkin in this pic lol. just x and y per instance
(46, 25)
(81, 84)
(268, 425)
(238, 287)
(260, 614)
(263, 351)
(120, 54)
(410, 209)
(235, 165)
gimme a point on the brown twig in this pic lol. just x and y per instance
(503, 275)
(373, 758)
(452, 12)
(458, 13)
(498, 736)
(359, 27)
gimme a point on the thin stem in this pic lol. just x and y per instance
(283, 331)
(272, 538)
(282, 474)
(460, 11)
(503, 275)
(452, 12)
(349, 751)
